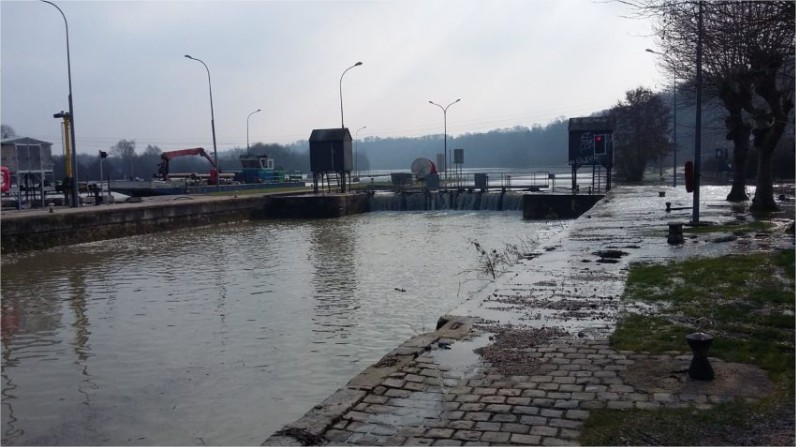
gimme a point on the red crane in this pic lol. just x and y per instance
(163, 167)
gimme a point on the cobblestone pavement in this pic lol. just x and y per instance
(433, 390)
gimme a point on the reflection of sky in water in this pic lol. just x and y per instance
(220, 335)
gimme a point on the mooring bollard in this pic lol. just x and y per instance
(661, 193)
(675, 233)
(700, 368)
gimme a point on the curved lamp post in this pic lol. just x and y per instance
(674, 120)
(342, 122)
(445, 118)
(247, 128)
(356, 157)
(212, 123)
(75, 190)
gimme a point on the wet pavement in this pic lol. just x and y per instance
(560, 304)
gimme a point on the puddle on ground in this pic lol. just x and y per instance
(460, 357)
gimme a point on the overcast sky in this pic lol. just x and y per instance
(512, 62)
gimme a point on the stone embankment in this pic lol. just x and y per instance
(527, 362)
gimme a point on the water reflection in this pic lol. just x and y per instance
(334, 280)
(220, 335)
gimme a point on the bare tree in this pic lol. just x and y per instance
(125, 150)
(642, 126)
(748, 59)
(7, 131)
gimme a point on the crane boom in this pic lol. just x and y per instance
(163, 167)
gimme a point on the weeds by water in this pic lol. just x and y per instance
(493, 262)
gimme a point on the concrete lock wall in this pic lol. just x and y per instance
(548, 206)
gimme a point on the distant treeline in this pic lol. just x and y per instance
(517, 147)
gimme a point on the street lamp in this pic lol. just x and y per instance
(75, 189)
(212, 123)
(247, 128)
(342, 122)
(674, 120)
(445, 118)
(356, 157)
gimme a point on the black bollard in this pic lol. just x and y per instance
(700, 368)
(675, 233)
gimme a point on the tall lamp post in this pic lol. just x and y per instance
(247, 128)
(212, 123)
(73, 180)
(342, 121)
(674, 120)
(356, 157)
(445, 119)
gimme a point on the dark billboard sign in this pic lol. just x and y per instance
(591, 141)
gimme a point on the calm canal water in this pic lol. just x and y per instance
(221, 335)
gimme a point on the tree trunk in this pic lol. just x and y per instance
(738, 132)
(764, 194)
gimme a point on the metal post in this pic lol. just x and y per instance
(100, 182)
(674, 130)
(698, 124)
(356, 156)
(342, 121)
(75, 191)
(445, 119)
(212, 124)
(247, 129)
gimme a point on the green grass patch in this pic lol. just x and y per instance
(747, 303)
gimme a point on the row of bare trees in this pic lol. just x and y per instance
(747, 63)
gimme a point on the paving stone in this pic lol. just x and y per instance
(414, 386)
(379, 390)
(419, 441)
(561, 372)
(411, 432)
(447, 442)
(394, 392)
(621, 388)
(429, 372)
(516, 428)
(450, 406)
(517, 438)
(488, 426)
(548, 386)
(525, 410)
(461, 390)
(493, 399)
(477, 416)
(467, 435)
(566, 403)
(564, 423)
(543, 431)
(534, 420)
(576, 414)
(495, 437)
(608, 396)
(584, 396)
(603, 374)
(461, 425)
(467, 398)
(518, 400)
(498, 408)
(526, 385)
(439, 433)
(534, 393)
(504, 417)
(337, 436)
(382, 409)
(570, 387)
(540, 379)
(373, 399)
(356, 416)
(340, 425)
(433, 381)
(472, 407)
(564, 380)
(362, 406)
(543, 403)
(551, 413)
(558, 395)
(484, 391)
(394, 440)
(393, 383)
(569, 434)
(509, 392)
(453, 415)
(363, 439)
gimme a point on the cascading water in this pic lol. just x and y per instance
(449, 200)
